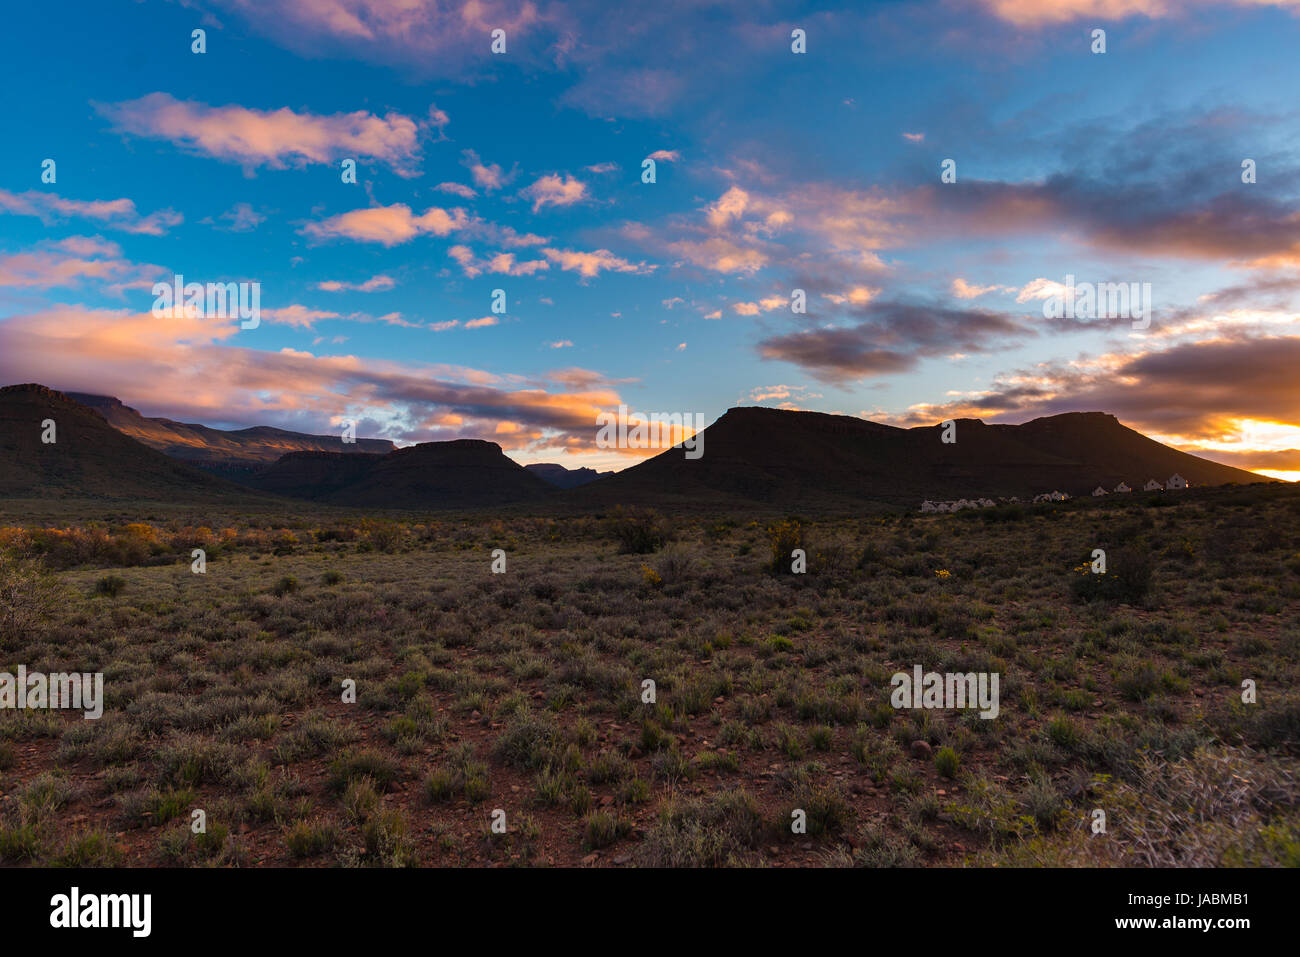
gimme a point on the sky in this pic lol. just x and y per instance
(924, 296)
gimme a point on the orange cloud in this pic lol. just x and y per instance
(387, 225)
(555, 190)
(275, 138)
(589, 264)
(192, 368)
(113, 213)
(1033, 13)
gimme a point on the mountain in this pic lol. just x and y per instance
(232, 454)
(89, 458)
(561, 477)
(466, 473)
(810, 459)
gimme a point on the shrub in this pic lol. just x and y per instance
(1127, 577)
(284, 586)
(946, 762)
(27, 593)
(639, 531)
(784, 537)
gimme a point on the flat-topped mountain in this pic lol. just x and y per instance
(465, 473)
(813, 459)
(751, 454)
(561, 477)
(231, 453)
(88, 457)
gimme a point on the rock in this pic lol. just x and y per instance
(920, 749)
(591, 859)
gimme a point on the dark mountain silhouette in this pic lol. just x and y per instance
(89, 458)
(809, 459)
(751, 455)
(466, 473)
(234, 454)
(561, 477)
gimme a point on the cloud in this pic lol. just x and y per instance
(485, 176)
(892, 337)
(1198, 394)
(965, 290)
(561, 344)
(767, 304)
(554, 190)
(154, 365)
(1037, 13)
(114, 213)
(299, 317)
(665, 156)
(242, 218)
(457, 189)
(590, 264)
(502, 263)
(856, 296)
(784, 392)
(388, 225)
(720, 255)
(73, 262)
(914, 137)
(274, 138)
(482, 323)
(373, 284)
(433, 36)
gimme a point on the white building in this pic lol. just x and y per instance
(1176, 481)
(927, 506)
(1153, 486)
(1121, 487)
(1098, 492)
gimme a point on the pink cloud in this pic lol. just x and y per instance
(387, 225)
(275, 138)
(114, 213)
(154, 364)
(1034, 13)
(374, 284)
(554, 190)
(589, 264)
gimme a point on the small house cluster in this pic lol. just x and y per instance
(1175, 481)
(958, 505)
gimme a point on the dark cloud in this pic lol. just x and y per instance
(892, 337)
(1195, 389)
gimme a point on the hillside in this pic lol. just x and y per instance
(89, 458)
(466, 473)
(234, 454)
(561, 477)
(809, 459)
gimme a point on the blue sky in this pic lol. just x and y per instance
(818, 171)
